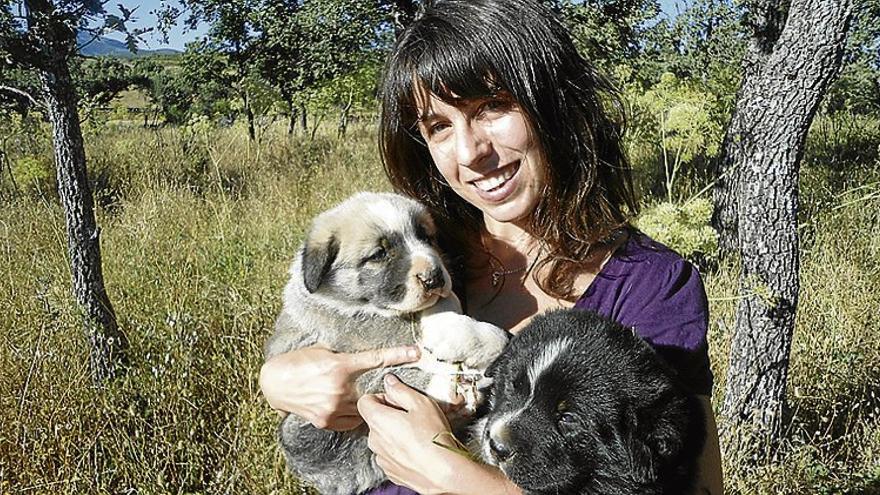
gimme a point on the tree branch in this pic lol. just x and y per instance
(23, 94)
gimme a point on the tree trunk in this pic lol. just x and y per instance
(303, 118)
(774, 109)
(249, 113)
(291, 118)
(766, 21)
(108, 344)
(342, 126)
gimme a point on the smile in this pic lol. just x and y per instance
(497, 178)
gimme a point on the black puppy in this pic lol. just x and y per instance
(581, 405)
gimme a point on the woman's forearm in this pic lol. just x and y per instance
(463, 476)
(710, 480)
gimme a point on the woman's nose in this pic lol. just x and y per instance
(472, 145)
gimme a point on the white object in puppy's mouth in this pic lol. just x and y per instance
(497, 178)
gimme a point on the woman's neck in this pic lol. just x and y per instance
(509, 243)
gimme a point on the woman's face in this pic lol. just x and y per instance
(487, 152)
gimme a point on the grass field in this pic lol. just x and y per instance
(198, 227)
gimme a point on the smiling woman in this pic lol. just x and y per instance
(483, 96)
(493, 120)
(487, 153)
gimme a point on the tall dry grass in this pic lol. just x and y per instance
(198, 227)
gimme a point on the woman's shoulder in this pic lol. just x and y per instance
(644, 283)
(643, 260)
(652, 289)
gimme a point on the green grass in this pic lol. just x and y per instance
(198, 228)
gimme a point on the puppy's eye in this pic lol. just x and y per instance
(378, 255)
(520, 383)
(422, 234)
(564, 416)
(567, 419)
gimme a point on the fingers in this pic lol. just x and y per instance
(453, 406)
(360, 362)
(372, 406)
(402, 395)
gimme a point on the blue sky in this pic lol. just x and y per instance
(178, 37)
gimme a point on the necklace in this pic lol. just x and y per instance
(501, 272)
(498, 275)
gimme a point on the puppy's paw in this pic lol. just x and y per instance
(491, 341)
(442, 336)
(456, 338)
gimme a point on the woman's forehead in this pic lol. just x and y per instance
(427, 100)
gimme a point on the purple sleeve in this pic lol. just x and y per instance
(659, 294)
(389, 488)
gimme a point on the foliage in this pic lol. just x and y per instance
(34, 173)
(306, 45)
(205, 85)
(858, 89)
(682, 122)
(703, 41)
(683, 227)
(608, 32)
(357, 87)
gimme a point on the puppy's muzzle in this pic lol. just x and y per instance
(500, 444)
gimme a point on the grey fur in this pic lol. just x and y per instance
(355, 286)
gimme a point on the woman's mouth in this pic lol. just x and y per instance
(497, 185)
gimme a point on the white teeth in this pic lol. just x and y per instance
(490, 183)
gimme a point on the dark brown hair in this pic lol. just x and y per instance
(461, 49)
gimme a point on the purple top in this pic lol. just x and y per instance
(648, 287)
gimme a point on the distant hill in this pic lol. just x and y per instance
(106, 47)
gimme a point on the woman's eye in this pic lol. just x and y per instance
(437, 127)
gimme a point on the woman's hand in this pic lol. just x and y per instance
(403, 426)
(318, 385)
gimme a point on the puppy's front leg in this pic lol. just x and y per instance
(456, 338)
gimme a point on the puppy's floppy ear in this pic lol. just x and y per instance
(317, 257)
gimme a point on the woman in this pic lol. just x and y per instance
(493, 120)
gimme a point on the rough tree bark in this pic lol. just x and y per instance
(765, 20)
(57, 42)
(775, 106)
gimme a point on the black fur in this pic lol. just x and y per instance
(607, 416)
(317, 260)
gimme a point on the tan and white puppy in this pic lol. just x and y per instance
(368, 276)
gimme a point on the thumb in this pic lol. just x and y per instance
(401, 395)
(361, 362)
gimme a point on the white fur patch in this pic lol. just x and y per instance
(389, 213)
(544, 360)
(537, 367)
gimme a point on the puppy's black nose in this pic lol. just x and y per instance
(431, 280)
(500, 450)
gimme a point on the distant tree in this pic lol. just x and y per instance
(608, 32)
(43, 41)
(99, 80)
(210, 80)
(703, 41)
(858, 89)
(234, 34)
(306, 44)
(794, 54)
